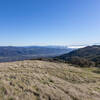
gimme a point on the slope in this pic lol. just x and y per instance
(42, 80)
(88, 56)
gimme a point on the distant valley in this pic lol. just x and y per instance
(85, 57)
(12, 53)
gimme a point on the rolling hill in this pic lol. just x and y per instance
(88, 56)
(43, 80)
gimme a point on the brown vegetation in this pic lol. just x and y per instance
(43, 80)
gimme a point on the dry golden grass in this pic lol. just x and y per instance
(42, 80)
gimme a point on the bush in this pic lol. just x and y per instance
(81, 62)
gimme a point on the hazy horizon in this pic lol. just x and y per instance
(54, 45)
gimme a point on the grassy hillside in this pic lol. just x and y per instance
(88, 56)
(42, 80)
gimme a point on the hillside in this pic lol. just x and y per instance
(9, 53)
(42, 80)
(88, 56)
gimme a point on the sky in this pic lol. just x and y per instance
(49, 22)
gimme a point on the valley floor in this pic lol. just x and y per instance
(42, 80)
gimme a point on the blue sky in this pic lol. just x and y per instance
(49, 22)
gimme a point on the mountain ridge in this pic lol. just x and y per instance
(87, 56)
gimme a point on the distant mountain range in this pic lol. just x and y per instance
(12, 53)
(87, 56)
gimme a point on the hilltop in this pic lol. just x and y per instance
(43, 80)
